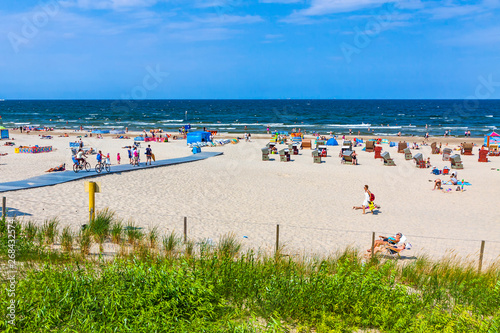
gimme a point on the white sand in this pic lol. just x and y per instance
(238, 192)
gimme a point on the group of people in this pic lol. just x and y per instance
(453, 181)
(134, 153)
(81, 155)
(394, 244)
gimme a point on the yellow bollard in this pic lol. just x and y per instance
(91, 201)
(92, 188)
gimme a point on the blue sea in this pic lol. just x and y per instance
(378, 117)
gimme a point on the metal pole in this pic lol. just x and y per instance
(481, 256)
(91, 201)
(4, 206)
(277, 240)
(373, 243)
(185, 229)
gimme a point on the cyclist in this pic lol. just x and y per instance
(80, 156)
(99, 157)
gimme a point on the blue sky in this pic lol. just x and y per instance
(135, 49)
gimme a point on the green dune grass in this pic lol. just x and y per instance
(174, 287)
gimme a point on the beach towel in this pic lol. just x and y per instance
(459, 183)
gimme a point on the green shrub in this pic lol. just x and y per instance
(134, 233)
(116, 232)
(84, 241)
(228, 246)
(50, 230)
(67, 239)
(171, 242)
(153, 237)
(30, 230)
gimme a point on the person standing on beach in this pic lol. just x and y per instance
(118, 158)
(130, 155)
(149, 154)
(368, 200)
(136, 157)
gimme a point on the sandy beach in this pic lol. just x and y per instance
(238, 192)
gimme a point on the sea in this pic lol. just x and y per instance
(377, 117)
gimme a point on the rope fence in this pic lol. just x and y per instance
(293, 240)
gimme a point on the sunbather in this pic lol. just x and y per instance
(393, 249)
(394, 240)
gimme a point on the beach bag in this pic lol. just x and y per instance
(372, 197)
(371, 206)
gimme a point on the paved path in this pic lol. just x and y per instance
(54, 178)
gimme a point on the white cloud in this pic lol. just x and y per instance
(281, 1)
(487, 36)
(325, 7)
(229, 19)
(109, 4)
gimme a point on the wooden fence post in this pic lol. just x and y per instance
(185, 228)
(481, 256)
(277, 240)
(373, 244)
(4, 207)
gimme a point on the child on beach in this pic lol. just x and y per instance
(118, 158)
(130, 155)
(108, 160)
(136, 157)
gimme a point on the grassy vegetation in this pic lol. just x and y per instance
(206, 287)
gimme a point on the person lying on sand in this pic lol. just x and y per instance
(396, 239)
(62, 167)
(392, 248)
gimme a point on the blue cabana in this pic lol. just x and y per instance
(492, 138)
(198, 136)
(4, 133)
(332, 142)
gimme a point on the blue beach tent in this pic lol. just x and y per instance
(492, 138)
(4, 133)
(332, 142)
(198, 136)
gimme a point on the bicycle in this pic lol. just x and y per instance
(100, 166)
(81, 165)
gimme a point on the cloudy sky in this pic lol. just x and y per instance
(78, 49)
